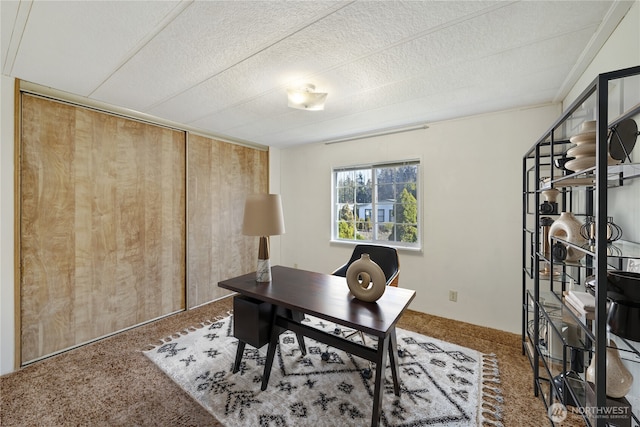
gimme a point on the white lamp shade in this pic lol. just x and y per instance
(263, 215)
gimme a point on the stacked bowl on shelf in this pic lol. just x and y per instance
(585, 149)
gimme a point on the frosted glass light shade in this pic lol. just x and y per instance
(305, 98)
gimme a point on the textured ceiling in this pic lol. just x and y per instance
(224, 66)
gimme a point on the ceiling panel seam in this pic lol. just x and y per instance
(19, 26)
(385, 64)
(257, 52)
(400, 42)
(534, 42)
(614, 16)
(162, 24)
(408, 79)
(428, 31)
(79, 101)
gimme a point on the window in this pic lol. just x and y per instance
(390, 190)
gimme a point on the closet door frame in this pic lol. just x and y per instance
(103, 237)
(24, 87)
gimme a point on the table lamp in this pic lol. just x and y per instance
(263, 217)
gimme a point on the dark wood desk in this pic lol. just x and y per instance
(328, 297)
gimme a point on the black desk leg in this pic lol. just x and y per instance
(271, 351)
(381, 363)
(239, 353)
(298, 317)
(393, 361)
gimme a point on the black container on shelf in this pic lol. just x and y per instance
(565, 395)
(623, 290)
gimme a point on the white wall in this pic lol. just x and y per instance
(622, 50)
(471, 201)
(7, 326)
(274, 188)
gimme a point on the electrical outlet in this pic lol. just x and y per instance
(295, 265)
(453, 296)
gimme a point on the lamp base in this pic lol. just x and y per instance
(263, 274)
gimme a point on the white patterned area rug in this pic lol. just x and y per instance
(442, 384)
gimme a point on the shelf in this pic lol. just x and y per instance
(562, 264)
(557, 337)
(625, 171)
(558, 277)
(586, 178)
(582, 392)
(529, 350)
(566, 325)
(528, 272)
(629, 350)
(618, 249)
(578, 390)
(627, 249)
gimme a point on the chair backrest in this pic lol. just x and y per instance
(384, 256)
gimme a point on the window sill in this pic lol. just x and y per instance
(400, 248)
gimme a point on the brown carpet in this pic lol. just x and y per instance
(111, 383)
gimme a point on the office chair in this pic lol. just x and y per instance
(387, 258)
(384, 256)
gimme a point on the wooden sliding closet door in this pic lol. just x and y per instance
(102, 224)
(220, 176)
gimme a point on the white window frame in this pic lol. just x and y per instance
(373, 166)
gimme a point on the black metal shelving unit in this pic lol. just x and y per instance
(555, 338)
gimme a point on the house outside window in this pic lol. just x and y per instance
(391, 191)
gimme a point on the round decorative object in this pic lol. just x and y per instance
(623, 292)
(588, 230)
(366, 279)
(581, 163)
(584, 138)
(567, 228)
(626, 284)
(623, 139)
(619, 379)
(588, 126)
(561, 161)
(582, 150)
(585, 150)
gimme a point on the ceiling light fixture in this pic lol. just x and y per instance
(306, 98)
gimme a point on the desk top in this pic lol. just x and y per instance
(325, 296)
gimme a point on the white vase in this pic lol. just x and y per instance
(567, 228)
(619, 379)
(366, 279)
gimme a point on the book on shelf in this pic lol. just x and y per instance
(576, 308)
(582, 300)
